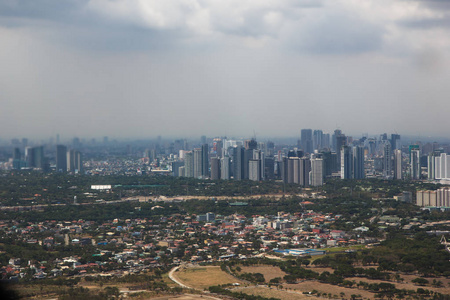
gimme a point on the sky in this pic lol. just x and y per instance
(142, 68)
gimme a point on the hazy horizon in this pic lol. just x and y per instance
(141, 68)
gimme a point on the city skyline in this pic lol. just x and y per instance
(144, 68)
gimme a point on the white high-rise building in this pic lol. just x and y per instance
(317, 171)
(197, 163)
(397, 164)
(254, 170)
(225, 168)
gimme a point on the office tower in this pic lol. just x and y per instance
(248, 155)
(387, 160)
(34, 157)
(306, 140)
(217, 147)
(293, 170)
(329, 161)
(205, 160)
(238, 163)
(398, 164)
(371, 146)
(215, 168)
(74, 161)
(346, 162)
(341, 140)
(305, 169)
(17, 154)
(189, 164)
(395, 141)
(316, 172)
(61, 158)
(176, 165)
(326, 141)
(414, 164)
(251, 144)
(203, 139)
(255, 170)
(437, 165)
(225, 168)
(431, 166)
(182, 172)
(317, 139)
(358, 162)
(29, 156)
(269, 168)
(270, 148)
(198, 163)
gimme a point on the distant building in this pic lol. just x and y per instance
(358, 162)
(238, 163)
(387, 160)
(198, 166)
(61, 158)
(215, 168)
(317, 174)
(415, 164)
(438, 198)
(306, 140)
(346, 163)
(189, 164)
(255, 169)
(398, 164)
(225, 168)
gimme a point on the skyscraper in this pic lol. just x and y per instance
(305, 169)
(215, 168)
(61, 158)
(306, 140)
(238, 163)
(255, 169)
(269, 168)
(395, 141)
(205, 160)
(415, 164)
(189, 164)
(317, 171)
(387, 160)
(398, 164)
(346, 162)
(317, 139)
(225, 168)
(358, 162)
(198, 166)
(74, 161)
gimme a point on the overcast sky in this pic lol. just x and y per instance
(140, 68)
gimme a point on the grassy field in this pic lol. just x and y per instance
(269, 272)
(203, 277)
(324, 288)
(268, 293)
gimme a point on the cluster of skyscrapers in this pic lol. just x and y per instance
(34, 158)
(317, 155)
